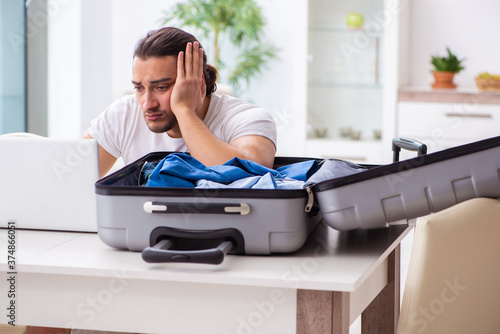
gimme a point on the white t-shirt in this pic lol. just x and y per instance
(122, 131)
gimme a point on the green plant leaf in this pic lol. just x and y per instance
(251, 62)
(248, 23)
(448, 63)
(240, 20)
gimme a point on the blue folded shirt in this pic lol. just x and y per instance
(182, 170)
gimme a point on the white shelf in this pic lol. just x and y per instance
(345, 85)
(340, 30)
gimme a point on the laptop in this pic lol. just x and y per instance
(48, 183)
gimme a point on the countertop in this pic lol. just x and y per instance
(456, 95)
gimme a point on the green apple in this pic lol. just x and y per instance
(354, 20)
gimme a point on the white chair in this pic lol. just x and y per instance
(453, 281)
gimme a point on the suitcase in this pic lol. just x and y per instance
(203, 225)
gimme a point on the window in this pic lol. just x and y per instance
(12, 66)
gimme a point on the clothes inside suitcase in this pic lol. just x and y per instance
(253, 221)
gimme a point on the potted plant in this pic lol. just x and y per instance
(240, 21)
(445, 69)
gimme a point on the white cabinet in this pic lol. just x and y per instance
(444, 125)
(351, 79)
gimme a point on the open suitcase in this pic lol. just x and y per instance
(203, 225)
(209, 222)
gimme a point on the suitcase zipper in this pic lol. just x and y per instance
(310, 199)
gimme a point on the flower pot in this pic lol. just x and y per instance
(443, 79)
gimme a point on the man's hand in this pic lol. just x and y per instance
(189, 90)
(189, 103)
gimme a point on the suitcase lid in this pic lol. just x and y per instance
(374, 171)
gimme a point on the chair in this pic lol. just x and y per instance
(8, 329)
(453, 281)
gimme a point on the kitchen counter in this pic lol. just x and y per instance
(470, 95)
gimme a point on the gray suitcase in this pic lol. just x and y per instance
(202, 225)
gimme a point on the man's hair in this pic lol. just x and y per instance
(169, 41)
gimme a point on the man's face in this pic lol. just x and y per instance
(153, 81)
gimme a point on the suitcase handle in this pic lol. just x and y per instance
(220, 208)
(408, 144)
(160, 253)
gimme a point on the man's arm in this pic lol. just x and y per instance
(210, 150)
(106, 160)
(189, 94)
(256, 148)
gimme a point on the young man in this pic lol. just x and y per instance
(174, 109)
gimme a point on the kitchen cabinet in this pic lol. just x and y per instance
(351, 79)
(441, 125)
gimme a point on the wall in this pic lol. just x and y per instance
(37, 93)
(64, 70)
(281, 86)
(79, 64)
(469, 28)
(131, 19)
(97, 59)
